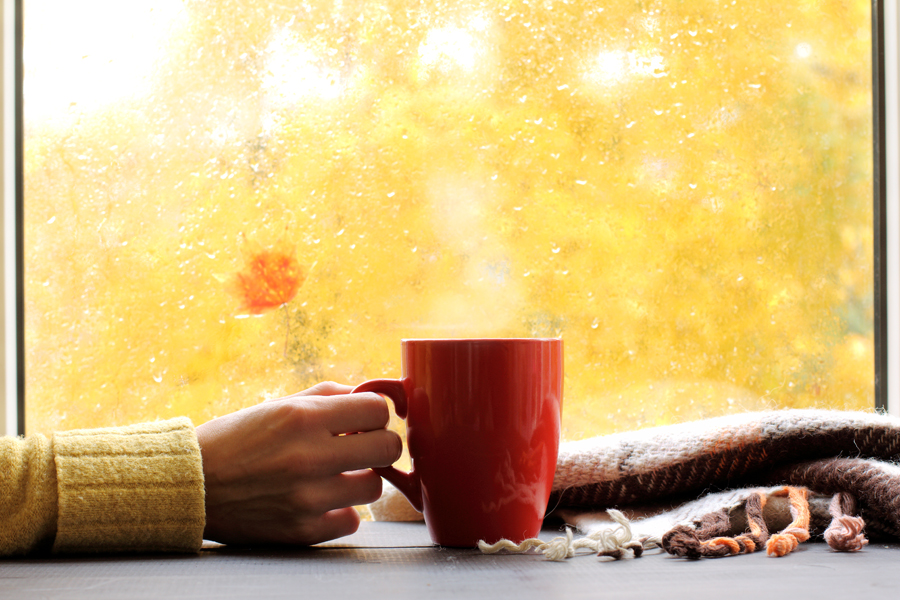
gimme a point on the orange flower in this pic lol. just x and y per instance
(269, 279)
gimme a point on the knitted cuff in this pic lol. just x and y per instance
(136, 488)
(27, 494)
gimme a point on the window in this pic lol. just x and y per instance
(244, 200)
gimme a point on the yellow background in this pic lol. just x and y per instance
(680, 190)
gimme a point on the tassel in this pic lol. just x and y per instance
(787, 540)
(617, 542)
(705, 540)
(845, 533)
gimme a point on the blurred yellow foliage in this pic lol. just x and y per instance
(681, 190)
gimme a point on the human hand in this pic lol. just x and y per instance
(284, 472)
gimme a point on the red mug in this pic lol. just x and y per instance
(483, 423)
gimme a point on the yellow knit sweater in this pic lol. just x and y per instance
(136, 488)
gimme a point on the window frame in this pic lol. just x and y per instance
(886, 211)
(12, 332)
(886, 124)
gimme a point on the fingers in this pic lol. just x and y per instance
(340, 491)
(331, 525)
(338, 523)
(337, 414)
(339, 454)
(343, 412)
(305, 512)
(330, 502)
(326, 388)
(380, 448)
(355, 412)
(301, 530)
(323, 510)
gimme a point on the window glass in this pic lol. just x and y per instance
(231, 200)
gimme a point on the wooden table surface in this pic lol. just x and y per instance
(397, 560)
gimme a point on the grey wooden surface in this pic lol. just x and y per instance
(395, 560)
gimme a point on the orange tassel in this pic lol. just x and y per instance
(786, 541)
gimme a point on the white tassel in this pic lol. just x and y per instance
(612, 541)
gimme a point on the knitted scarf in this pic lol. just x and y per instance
(722, 486)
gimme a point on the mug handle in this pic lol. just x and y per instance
(409, 484)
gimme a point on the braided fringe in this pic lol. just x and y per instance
(786, 541)
(705, 540)
(845, 533)
(617, 542)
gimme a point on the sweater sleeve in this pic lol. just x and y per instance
(137, 488)
(27, 494)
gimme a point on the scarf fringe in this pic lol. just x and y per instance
(617, 543)
(704, 539)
